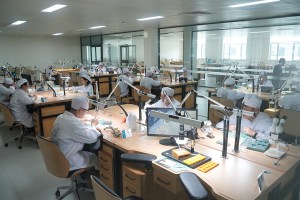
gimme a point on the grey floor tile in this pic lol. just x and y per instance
(7, 189)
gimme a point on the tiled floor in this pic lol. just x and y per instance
(23, 175)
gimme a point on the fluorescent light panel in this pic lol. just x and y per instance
(252, 3)
(150, 18)
(260, 32)
(54, 8)
(57, 34)
(18, 23)
(95, 27)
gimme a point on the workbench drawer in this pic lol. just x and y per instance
(133, 176)
(131, 190)
(167, 180)
(107, 179)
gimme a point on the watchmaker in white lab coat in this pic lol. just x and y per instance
(186, 74)
(123, 86)
(257, 126)
(7, 88)
(291, 102)
(19, 102)
(148, 80)
(164, 102)
(228, 92)
(86, 87)
(101, 68)
(70, 134)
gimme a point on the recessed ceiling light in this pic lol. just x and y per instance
(95, 27)
(17, 23)
(150, 18)
(57, 34)
(252, 3)
(54, 8)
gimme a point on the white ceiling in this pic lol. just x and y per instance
(121, 15)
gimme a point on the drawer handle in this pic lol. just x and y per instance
(127, 175)
(104, 177)
(164, 182)
(127, 188)
(103, 167)
(103, 159)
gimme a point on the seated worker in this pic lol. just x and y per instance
(101, 68)
(82, 71)
(255, 126)
(263, 80)
(86, 87)
(7, 88)
(228, 92)
(126, 76)
(148, 81)
(277, 72)
(164, 102)
(291, 102)
(70, 134)
(186, 74)
(20, 104)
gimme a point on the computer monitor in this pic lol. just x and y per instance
(264, 88)
(165, 128)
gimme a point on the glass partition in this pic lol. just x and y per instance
(123, 49)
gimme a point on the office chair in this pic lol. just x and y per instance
(117, 94)
(9, 120)
(58, 165)
(291, 125)
(193, 186)
(102, 192)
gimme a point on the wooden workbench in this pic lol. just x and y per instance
(234, 178)
(46, 112)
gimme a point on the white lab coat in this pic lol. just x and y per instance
(160, 104)
(102, 70)
(291, 102)
(149, 82)
(5, 94)
(230, 94)
(85, 89)
(261, 124)
(123, 86)
(70, 134)
(49, 73)
(18, 103)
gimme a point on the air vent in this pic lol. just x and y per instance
(196, 13)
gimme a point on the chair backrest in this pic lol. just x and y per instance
(143, 97)
(55, 161)
(226, 102)
(291, 124)
(8, 116)
(101, 191)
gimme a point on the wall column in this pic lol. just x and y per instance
(151, 47)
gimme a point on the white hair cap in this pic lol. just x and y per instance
(8, 81)
(100, 64)
(149, 73)
(80, 102)
(82, 72)
(167, 91)
(229, 81)
(21, 82)
(125, 70)
(252, 101)
(263, 74)
(87, 77)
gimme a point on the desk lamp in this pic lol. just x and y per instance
(140, 92)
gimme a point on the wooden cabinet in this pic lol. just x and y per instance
(134, 181)
(106, 166)
(167, 180)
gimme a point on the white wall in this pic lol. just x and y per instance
(171, 48)
(39, 51)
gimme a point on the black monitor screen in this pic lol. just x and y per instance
(161, 127)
